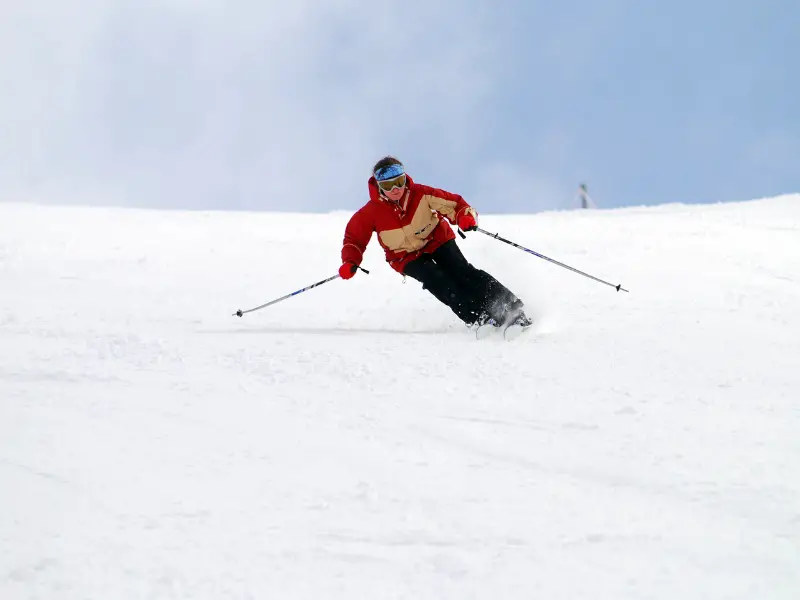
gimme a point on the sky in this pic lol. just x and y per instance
(285, 106)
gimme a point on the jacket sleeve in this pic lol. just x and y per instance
(451, 206)
(356, 236)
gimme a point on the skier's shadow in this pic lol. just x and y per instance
(329, 331)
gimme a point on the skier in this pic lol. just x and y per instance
(411, 221)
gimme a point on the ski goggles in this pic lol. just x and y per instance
(390, 177)
(387, 185)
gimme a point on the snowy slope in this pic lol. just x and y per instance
(357, 442)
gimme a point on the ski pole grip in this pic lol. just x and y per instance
(461, 233)
(362, 269)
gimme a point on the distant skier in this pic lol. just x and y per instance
(412, 225)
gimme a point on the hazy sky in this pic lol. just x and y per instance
(259, 104)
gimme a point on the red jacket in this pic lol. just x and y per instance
(417, 224)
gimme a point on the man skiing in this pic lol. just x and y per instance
(412, 223)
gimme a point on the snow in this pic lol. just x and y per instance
(355, 441)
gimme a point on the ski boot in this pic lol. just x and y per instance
(485, 325)
(515, 320)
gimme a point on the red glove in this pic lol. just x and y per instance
(347, 270)
(467, 222)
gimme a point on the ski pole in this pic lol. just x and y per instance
(240, 312)
(619, 287)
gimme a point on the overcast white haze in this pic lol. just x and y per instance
(237, 104)
(286, 105)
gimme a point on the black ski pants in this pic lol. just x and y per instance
(469, 292)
